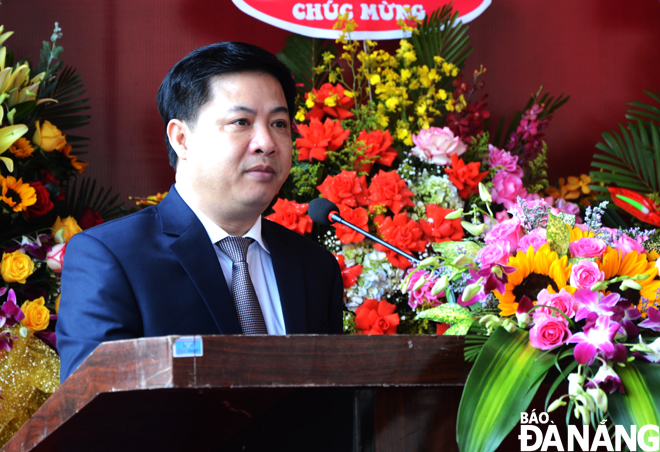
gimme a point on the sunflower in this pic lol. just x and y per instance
(16, 194)
(21, 148)
(535, 271)
(576, 233)
(632, 264)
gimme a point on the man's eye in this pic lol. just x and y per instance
(242, 122)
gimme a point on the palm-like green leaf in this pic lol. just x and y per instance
(86, 194)
(301, 55)
(630, 156)
(501, 384)
(442, 34)
(67, 113)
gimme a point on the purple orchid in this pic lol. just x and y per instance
(10, 314)
(653, 320)
(598, 338)
(6, 341)
(591, 302)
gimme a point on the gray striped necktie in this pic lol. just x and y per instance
(245, 298)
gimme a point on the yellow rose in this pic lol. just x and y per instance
(48, 137)
(16, 267)
(37, 316)
(57, 304)
(69, 227)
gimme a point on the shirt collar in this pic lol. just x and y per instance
(216, 233)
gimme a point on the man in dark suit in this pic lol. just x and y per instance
(227, 110)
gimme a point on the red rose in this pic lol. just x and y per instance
(348, 274)
(318, 138)
(437, 229)
(377, 149)
(43, 204)
(388, 189)
(404, 234)
(345, 188)
(465, 178)
(291, 215)
(341, 100)
(358, 217)
(89, 218)
(373, 317)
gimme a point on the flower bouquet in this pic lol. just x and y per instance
(40, 209)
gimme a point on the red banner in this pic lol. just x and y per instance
(376, 20)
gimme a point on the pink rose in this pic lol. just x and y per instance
(417, 298)
(506, 231)
(55, 257)
(436, 145)
(563, 301)
(563, 206)
(548, 331)
(497, 253)
(504, 159)
(501, 216)
(585, 274)
(587, 247)
(507, 187)
(625, 244)
(536, 238)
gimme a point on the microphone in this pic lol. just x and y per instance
(324, 211)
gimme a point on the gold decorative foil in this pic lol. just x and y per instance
(29, 374)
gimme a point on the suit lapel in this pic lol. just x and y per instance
(196, 255)
(289, 274)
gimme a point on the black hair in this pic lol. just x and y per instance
(185, 88)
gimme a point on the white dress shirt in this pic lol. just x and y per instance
(260, 267)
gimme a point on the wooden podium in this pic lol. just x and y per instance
(270, 393)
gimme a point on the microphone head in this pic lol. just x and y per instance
(320, 210)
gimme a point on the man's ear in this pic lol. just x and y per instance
(177, 132)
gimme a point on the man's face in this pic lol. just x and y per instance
(238, 152)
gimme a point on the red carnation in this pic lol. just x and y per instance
(318, 138)
(377, 149)
(348, 274)
(43, 204)
(388, 189)
(345, 188)
(358, 217)
(341, 100)
(437, 229)
(465, 178)
(403, 233)
(89, 218)
(291, 215)
(376, 317)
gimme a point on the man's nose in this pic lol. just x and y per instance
(263, 141)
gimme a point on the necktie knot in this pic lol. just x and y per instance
(235, 247)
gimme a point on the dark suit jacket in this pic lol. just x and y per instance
(155, 273)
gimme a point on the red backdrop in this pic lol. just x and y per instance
(602, 53)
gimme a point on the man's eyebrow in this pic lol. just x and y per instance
(243, 109)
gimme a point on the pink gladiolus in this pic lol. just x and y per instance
(417, 298)
(508, 162)
(625, 245)
(436, 145)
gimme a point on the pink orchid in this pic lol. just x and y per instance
(653, 320)
(590, 302)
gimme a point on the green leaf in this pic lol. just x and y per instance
(301, 55)
(558, 235)
(639, 404)
(451, 250)
(501, 384)
(457, 316)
